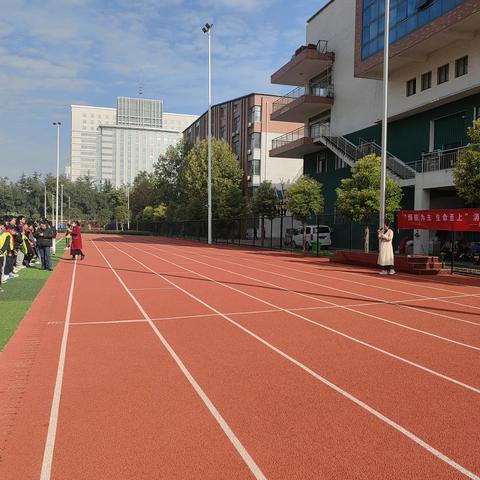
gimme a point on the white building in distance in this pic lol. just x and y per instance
(115, 144)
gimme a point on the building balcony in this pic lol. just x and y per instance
(437, 160)
(301, 104)
(307, 62)
(298, 143)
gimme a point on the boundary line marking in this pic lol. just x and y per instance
(249, 461)
(336, 388)
(46, 471)
(356, 340)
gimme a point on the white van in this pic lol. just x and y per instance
(324, 236)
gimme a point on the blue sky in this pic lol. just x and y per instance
(54, 53)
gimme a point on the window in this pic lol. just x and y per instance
(442, 74)
(255, 114)
(461, 66)
(255, 141)
(236, 125)
(339, 163)
(254, 167)
(236, 148)
(426, 81)
(411, 87)
(223, 132)
(321, 162)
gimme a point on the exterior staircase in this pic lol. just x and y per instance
(351, 153)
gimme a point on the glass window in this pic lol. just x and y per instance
(236, 125)
(255, 114)
(321, 162)
(255, 140)
(461, 66)
(406, 16)
(442, 73)
(411, 87)
(236, 148)
(426, 81)
(254, 167)
(223, 132)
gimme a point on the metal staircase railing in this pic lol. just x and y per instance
(351, 153)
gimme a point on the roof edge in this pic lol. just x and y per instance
(320, 11)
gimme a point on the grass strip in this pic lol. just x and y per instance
(20, 293)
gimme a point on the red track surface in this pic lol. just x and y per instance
(174, 360)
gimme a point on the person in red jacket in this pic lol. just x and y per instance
(76, 246)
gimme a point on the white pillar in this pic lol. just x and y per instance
(421, 238)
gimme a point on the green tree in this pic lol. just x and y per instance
(159, 213)
(466, 174)
(265, 204)
(227, 197)
(104, 216)
(147, 214)
(358, 197)
(122, 215)
(74, 214)
(143, 193)
(305, 199)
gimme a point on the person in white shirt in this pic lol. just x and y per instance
(385, 250)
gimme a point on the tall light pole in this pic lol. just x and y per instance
(57, 124)
(208, 30)
(383, 170)
(61, 205)
(45, 200)
(69, 209)
(128, 206)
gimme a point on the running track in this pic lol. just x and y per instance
(163, 359)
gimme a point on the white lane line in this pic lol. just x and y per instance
(345, 307)
(108, 322)
(321, 325)
(247, 458)
(421, 297)
(437, 453)
(151, 288)
(46, 471)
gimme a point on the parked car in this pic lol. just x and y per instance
(324, 236)
(289, 234)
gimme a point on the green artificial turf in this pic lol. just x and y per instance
(20, 293)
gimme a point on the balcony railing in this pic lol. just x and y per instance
(302, 132)
(437, 160)
(319, 90)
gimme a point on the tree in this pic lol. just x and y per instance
(305, 199)
(466, 174)
(104, 216)
(74, 214)
(227, 197)
(143, 193)
(358, 197)
(122, 215)
(265, 204)
(159, 213)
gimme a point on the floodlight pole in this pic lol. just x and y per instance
(208, 30)
(383, 169)
(57, 124)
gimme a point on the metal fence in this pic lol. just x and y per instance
(458, 251)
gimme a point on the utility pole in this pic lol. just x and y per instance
(383, 170)
(208, 30)
(61, 206)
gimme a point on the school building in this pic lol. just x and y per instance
(434, 96)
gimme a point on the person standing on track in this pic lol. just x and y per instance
(385, 250)
(68, 236)
(77, 244)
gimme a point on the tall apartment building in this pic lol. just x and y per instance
(434, 96)
(115, 144)
(244, 123)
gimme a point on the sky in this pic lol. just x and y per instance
(55, 53)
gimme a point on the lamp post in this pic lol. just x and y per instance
(208, 30)
(57, 124)
(128, 206)
(61, 205)
(45, 199)
(383, 169)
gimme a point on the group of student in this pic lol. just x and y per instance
(24, 243)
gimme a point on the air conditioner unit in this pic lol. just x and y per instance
(249, 151)
(234, 133)
(248, 178)
(250, 124)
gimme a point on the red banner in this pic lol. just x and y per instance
(459, 220)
